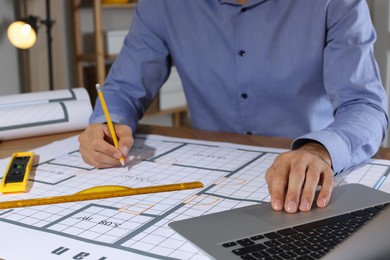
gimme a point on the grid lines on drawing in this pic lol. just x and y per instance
(71, 160)
(247, 184)
(368, 174)
(147, 148)
(208, 157)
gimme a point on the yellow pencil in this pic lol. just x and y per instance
(108, 119)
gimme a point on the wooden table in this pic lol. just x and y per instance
(8, 147)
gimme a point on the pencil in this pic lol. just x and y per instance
(108, 119)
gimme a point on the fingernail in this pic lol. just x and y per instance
(305, 205)
(277, 205)
(322, 202)
(117, 155)
(291, 206)
(124, 150)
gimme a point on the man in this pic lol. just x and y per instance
(302, 69)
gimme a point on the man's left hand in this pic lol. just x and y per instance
(295, 175)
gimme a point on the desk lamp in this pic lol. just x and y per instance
(23, 34)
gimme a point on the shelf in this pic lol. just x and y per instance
(176, 114)
(89, 4)
(91, 57)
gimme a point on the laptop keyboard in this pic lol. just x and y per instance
(308, 241)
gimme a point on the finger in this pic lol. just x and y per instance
(100, 161)
(277, 183)
(295, 185)
(108, 160)
(99, 145)
(326, 188)
(311, 183)
(103, 155)
(125, 137)
(93, 158)
(268, 178)
(84, 154)
(276, 204)
(85, 147)
(95, 150)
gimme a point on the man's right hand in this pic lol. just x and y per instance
(97, 147)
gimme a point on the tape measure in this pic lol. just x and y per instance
(100, 192)
(18, 171)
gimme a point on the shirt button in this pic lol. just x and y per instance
(241, 53)
(244, 95)
(243, 10)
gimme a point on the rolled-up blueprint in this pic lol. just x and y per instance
(42, 113)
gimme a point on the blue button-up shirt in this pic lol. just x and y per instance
(302, 69)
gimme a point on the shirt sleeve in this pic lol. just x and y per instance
(352, 82)
(139, 71)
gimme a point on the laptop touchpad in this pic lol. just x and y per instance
(282, 218)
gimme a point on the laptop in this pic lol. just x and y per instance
(354, 225)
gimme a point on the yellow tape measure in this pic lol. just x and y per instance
(100, 192)
(18, 171)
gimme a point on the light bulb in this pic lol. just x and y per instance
(21, 35)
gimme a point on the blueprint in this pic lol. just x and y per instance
(135, 227)
(45, 112)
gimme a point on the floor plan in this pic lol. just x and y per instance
(135, 227)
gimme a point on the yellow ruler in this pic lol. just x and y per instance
(100, 192)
